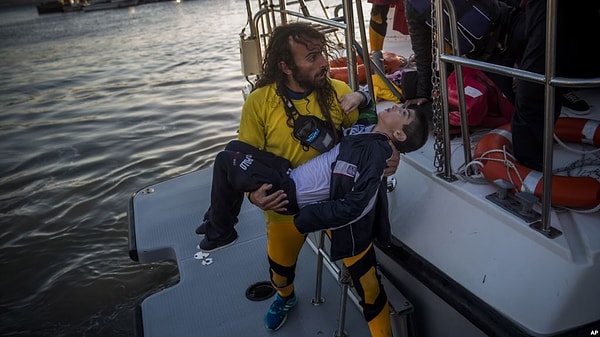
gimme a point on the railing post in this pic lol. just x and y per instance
(318, 299)
(345, 281)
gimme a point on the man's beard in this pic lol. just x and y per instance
(309, 83)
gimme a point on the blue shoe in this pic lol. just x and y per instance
(278, 311)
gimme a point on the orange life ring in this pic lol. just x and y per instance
(339, 67)
(341, 73)
(578, 130)
(571, 192)
(343, 62)
(392, 62)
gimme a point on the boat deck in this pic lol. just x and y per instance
(542, 286)
(469, 267)
(210, 298)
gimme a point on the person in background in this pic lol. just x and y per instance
(574, 53)
(515, 37)
(571, 100)
(577, 59)
(527, 125)
(500, 27)
(573, 59)
(294, 83)
(378, 21)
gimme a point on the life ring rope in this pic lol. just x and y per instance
(577, 193)
(526, 186)
(571, 149)
(510, 165)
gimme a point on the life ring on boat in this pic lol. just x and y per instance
(571, 192)
(339, 67)
(341, 73)
(392, 62)
(570, 129)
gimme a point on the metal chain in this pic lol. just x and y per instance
(436, 104)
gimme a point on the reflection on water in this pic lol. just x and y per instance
(93, 107)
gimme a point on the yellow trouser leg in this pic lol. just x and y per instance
(375, 40)
(374, 301)
(283, 246)
(381, 326)
(378, 26)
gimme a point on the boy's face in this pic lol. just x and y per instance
(395, 117)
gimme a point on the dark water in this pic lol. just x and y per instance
(94, 106)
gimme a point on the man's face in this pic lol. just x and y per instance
(311, 65)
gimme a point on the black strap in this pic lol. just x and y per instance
(290, 109)
(310, 130)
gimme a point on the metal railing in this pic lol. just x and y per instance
(270, 15)
(549, 80)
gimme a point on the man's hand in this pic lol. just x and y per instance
(350, 102)
(275, 201)
(415, 101)
(392, 162)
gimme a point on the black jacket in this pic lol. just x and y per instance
(499, 12)
(357, 210)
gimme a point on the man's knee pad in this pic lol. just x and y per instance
(366, 281)
(379, 17)
(380, 325)
(281, 276)
(372, 310)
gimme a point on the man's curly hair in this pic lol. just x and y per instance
(279, 49)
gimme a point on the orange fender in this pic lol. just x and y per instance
(343, 62)
(339, 67)
(341, 73)
(392, 62)
(571, 192)
(578, 130)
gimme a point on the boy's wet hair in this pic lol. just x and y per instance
(416, 132)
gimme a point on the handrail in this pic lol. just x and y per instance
(549, 80)
(268, 11)
(570, 82)
(550, 70)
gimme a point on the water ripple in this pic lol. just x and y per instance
(94, 107)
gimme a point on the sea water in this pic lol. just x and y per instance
(93, 107)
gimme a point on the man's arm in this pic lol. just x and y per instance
(392, 162)
(356, 100)
(252, 131)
